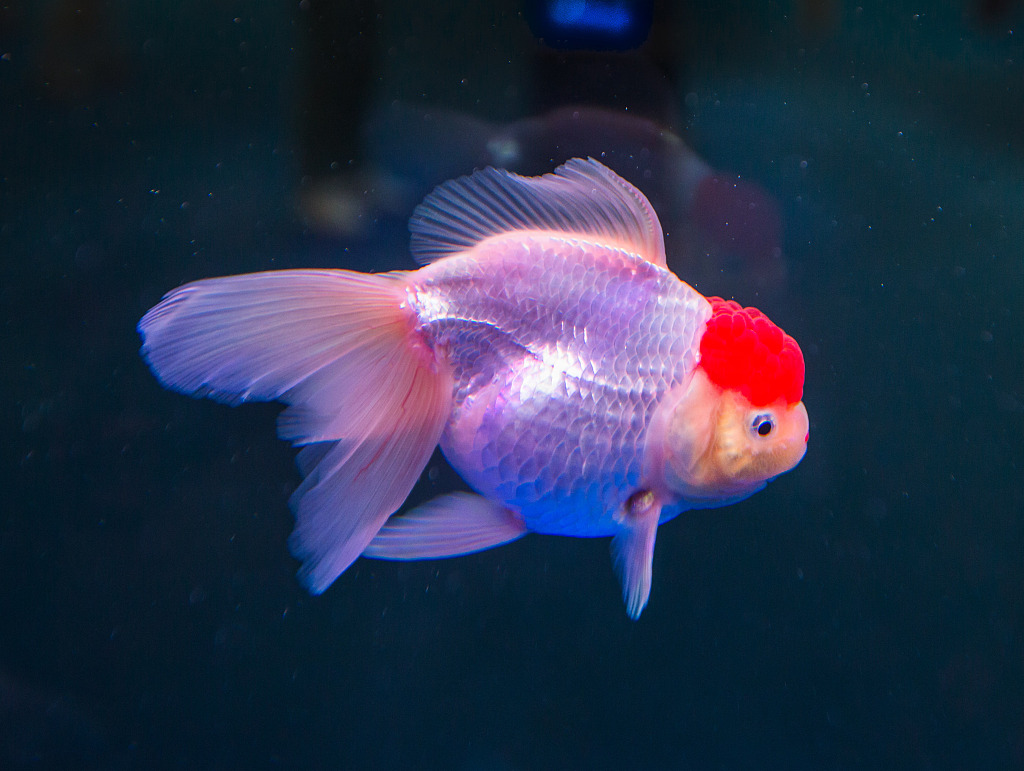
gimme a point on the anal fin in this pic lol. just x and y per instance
(446, 526)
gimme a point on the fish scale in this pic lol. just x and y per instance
(555, 386)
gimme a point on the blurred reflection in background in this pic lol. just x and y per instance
(592, 78)
(66, 52)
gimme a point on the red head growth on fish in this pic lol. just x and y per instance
(742, 350)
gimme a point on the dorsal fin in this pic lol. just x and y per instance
(581, 197)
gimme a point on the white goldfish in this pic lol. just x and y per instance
(574, 382)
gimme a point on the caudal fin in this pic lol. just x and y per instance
(366, 393)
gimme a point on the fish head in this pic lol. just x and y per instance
(738, 421)
(710, 446)
(750, 444)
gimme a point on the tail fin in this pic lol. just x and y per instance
(367, 394)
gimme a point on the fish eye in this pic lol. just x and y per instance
(763, 425)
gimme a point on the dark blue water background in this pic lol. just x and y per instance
(865, 611)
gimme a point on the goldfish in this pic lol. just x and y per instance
(577, 385)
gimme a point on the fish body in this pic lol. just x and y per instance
(575, 383)
(560, 350)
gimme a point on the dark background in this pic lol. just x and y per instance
(865, 611)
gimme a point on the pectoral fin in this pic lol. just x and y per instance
(633, 550)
